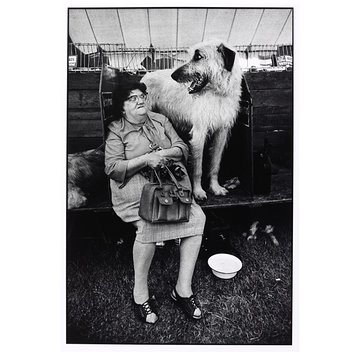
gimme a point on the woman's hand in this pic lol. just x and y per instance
(174, 153)
(154, 160)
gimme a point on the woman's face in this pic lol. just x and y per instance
(134, 106)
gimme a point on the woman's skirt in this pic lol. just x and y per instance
(126, 201)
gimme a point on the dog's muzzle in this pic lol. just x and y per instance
(197, 81)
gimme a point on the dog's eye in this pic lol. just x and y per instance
(197, 56)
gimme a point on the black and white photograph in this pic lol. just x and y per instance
(180, 176)
(177, 177)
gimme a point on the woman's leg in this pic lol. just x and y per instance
(142, 258)
(189, 249)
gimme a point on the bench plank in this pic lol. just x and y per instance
(281, 192)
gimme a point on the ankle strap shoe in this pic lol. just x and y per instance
(146, 312)
(190, 305)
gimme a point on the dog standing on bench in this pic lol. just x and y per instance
(202, 96)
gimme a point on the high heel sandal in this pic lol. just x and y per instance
(188, 304)
(143, 310)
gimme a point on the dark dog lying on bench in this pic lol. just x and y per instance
(85, 175)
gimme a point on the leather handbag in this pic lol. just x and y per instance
(167, 202)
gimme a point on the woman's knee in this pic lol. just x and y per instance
(143, 248)
(201, 216)
(143, 243)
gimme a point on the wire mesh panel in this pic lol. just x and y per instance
(90, 57)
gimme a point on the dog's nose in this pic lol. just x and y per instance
(175, 75)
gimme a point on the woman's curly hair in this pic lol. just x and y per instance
(121, 94)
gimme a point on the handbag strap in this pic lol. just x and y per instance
(158, 178)
(172, 177)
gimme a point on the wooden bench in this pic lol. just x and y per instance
(267, 114)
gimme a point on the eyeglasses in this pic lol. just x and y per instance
(134, 98)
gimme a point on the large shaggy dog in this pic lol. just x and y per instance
(203, 97)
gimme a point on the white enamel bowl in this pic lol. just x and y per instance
(224, 266)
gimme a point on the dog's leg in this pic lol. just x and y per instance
(219, 141)
(197, 144)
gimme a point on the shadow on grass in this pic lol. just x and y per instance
(255, 307)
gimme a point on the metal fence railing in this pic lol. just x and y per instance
(89, 57)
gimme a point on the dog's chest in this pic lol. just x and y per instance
(214, 111)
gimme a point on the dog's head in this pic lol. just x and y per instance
(209, 62)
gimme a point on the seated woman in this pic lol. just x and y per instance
(131, 147)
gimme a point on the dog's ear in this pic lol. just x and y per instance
(227, 55)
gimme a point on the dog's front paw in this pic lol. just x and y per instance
(218, 190)
(200, 194)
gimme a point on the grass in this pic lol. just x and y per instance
(255, 307)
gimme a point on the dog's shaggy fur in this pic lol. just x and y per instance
(85, 173)
(207, 104)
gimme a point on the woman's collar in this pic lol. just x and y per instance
(135, 126)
